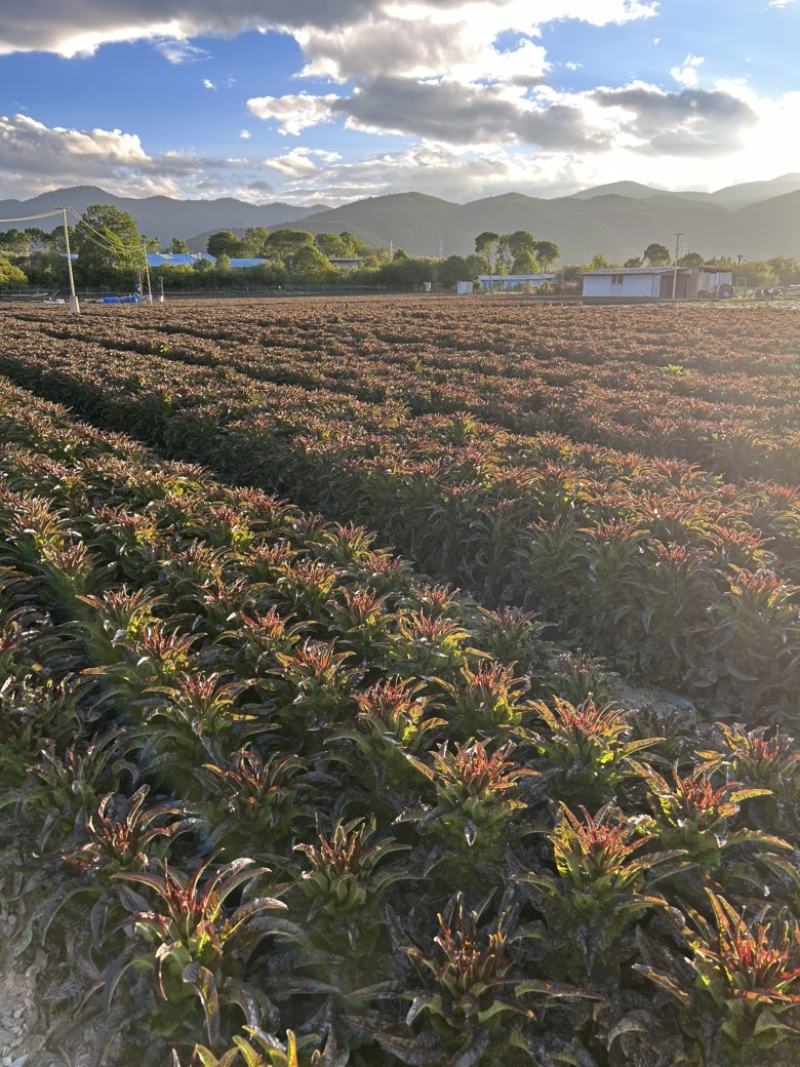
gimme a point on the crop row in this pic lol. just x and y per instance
(661, 567)
(282, 802)
(664, 384)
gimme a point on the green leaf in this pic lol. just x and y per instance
(203, 981)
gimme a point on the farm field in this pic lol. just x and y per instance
(629, 473)
(273, 794)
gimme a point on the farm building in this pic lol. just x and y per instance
(188, 259)
(177, 259)
(653, 283)
(347, 262)
(505, 283)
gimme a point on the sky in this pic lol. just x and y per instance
(329, 101)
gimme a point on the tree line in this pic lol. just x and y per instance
(111, 253)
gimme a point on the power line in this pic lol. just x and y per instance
(32, 218)
(111, 244)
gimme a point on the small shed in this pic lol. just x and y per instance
(347, 262)
(714, 281)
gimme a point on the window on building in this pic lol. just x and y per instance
(616, 279)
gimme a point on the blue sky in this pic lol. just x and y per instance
(331, 100)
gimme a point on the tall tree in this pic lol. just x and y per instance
(486, 246)
(459, 269)
(656, 255)
(38, 239)
(524, 263)
(285, 244)
(56, 238)
(255, 243)
(107, 239)
(692, 259)
(787, 270)
(756, 273)
(224, 243)
(518, 242)
(355, 247)
(311, 267)
(15, 242)
(546, 252)
(332, 244)
(11, 277)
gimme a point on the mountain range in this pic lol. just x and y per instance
(157, 216)
(753, 220)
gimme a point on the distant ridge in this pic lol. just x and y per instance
(618, 226)
(158, 216)
(731, 197)
(756, 220)
(634, 190)
(737, 196)
(777, 221)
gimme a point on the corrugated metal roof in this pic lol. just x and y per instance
(515, 277)
(177, 259)
(635, 270)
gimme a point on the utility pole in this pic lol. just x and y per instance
(74, 306)
(149, 298)
(675, 272)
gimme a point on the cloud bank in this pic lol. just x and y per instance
(451, 97)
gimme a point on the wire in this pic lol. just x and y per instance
(104, 243)
(32, 218)
(108, 244)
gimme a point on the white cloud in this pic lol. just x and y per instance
(294, 113)
(692, 122)
(431, 169)
(31, 153)
(463, 82)
(31, 145)
(421, 49)
(301, 162)
(687, 74)
(181, 51)
(74, 29)
(226, 83)
(451, 113)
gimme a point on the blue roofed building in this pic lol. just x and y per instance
(177, 259)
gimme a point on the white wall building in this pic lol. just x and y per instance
(652, 283)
